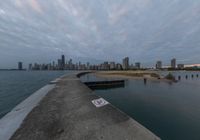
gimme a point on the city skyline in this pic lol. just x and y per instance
(64, 64)
(145, 31)
(125, 64)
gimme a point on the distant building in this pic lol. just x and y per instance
(53, 65)
(30, 67)
(180, 66)
(88, 66)
(62, 62)
(159, 65)
(105, 66)
(125, 63)
(112, 65)
(79, 65)
(118, 66)
(20, 66)
(70, 64)
(35, 67)
(137, 65)
(173, 63)
(49, 67)
(59, 64)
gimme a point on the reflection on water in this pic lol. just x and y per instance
(171, 111)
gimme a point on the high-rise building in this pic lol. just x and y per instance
(106, 66)
(53, 64)
(62, 62)
(112, 65)
(137, 65)
(79, 65)
(173, 63)
(159, 65)
(125, 63)
(88, 65)
(70, 64)
(30, 67)
(59, 64)
(118, 66)
(20, 66)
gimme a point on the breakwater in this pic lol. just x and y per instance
(71, 110)
(105, 84)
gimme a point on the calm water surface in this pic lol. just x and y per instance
(15, 86)
(171, 111)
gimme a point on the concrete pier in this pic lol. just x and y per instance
(12, 121)
(67, 113)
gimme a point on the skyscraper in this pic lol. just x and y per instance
(137, 65)
(159, 65)
(125, 63)
(173, 63)
(112, 65)
(88, 65)
(20, 66)
(59, 64)
(70, 64)
(62, 62)
(30, 67)
(53, 64)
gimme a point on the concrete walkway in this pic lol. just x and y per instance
(67, 113)
(12, 121)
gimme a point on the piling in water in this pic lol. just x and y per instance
(197, 75)
(179, 77)
(145, 81)
(186, 77)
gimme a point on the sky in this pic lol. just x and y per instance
(99, 30)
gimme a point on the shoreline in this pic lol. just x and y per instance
(124, 75)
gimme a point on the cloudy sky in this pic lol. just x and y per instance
(144, 30)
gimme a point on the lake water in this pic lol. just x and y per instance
(171, 111)
(15, 86)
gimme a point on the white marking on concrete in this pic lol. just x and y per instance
(100, 102)
(12, 121)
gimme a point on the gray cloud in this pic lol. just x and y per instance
(144, 30)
